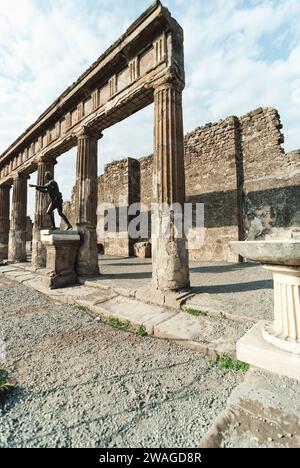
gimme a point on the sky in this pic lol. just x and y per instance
(239, 55)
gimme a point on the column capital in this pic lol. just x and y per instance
(6, 185)
(20, 175)
(169, 80)
(85, 132)
(45, 159)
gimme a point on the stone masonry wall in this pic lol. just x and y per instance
(119, 186)
(211, 178)
(271, 177)
(236, 167)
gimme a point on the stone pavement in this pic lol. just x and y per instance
(242, 291)
(224, 301)
(262, 412)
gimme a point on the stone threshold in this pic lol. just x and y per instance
(163, 319)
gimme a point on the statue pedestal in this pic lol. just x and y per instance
(275, 346)
(62, 249)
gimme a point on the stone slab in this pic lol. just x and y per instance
(57, 236)
(263, 411)
(254, 350)
(211, 334)
(7, 269)
(25, 278)
(135, 312)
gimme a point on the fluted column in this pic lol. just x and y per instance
(86, 201)
(285, 331)
(170, 256)
(4, 221)
(17, 233)
(41, 219)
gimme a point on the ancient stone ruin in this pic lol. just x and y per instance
(237, 167)
(145, 65)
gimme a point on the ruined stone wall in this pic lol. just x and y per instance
(271, 177)
(120, 187)
(211, 178)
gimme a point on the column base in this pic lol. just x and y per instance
(39, 254)
(3, 252)
(87, 260)
(255, 350)
(280, 341)
(170, 264)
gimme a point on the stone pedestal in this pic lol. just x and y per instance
(4, 221)
(86, 202)
(17, 233)
(62, 249)
(169, 251)
(41, 219)
(275, 346)
(143, 249)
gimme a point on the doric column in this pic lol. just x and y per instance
(17, 233)
(41, 219)
(4, 221)
(170, 256)
(86, 201)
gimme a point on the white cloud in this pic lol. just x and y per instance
(240, 55)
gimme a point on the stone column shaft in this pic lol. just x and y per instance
(86, 202)
(41, 219)
(4, 221)
(284, 333)
(17, 233)
(170, 256)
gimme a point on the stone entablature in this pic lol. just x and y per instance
(118, 84)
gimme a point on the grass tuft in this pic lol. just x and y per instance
(141, 331)
(116, 323)
(195, 312)
(227, 363)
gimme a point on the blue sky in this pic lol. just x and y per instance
(239, 54)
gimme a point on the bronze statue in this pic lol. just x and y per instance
(55, 195)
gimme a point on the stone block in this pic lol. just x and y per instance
(62, 248)
(254, 350)
(143, 250)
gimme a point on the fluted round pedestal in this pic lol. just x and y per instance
(284, 332)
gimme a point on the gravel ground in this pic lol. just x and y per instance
(81, 383)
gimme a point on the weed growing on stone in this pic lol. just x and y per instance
(227, 363)
(195, 312)
(141, 331)
(116, 323)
